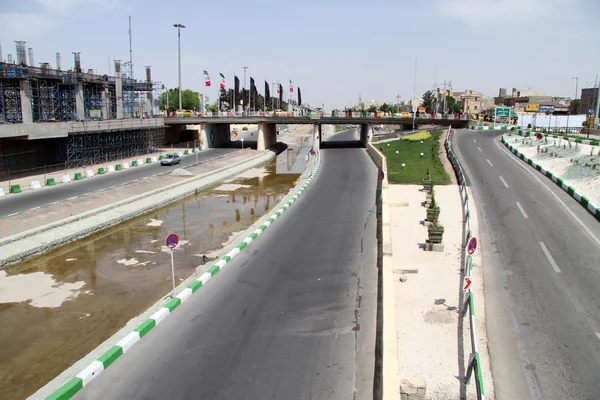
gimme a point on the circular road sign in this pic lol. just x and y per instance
(472, 246)
(172, 241)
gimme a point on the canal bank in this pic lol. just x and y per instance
(82, 293)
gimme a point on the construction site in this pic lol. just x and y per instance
(55, 118)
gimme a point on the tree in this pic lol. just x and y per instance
(451, 105)
(428, 102)
(574, 106)
(384, 108)
(372, 109)
(189, 100)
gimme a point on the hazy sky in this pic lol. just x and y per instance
(333, 49)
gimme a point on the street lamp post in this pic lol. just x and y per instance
(398, 105)
(179, 26)
(569, 109)
(244, 92)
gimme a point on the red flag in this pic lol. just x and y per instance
(206, 79)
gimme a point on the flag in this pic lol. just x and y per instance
(236, 92)
(280, 91)
(267, 96)
(252, 93)
(222, 86)
(278, 86)
(206, 79)
(299, 97)
(291, 87)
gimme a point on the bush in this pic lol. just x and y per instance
(417, 137)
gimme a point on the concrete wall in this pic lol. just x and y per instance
(47, 130)
(213, 135)
(267, 136)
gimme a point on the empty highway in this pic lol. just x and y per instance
(291, 317)
(15, 203)
(541, 254)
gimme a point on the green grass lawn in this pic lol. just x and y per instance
(416, 166)
(339, 128)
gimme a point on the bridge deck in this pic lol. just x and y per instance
(309, 120)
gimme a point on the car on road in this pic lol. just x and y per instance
(245, 128)
(171, 159)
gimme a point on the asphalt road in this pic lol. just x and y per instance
(541, 254)
(11, 204)
(291, 317)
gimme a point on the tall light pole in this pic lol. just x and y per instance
(244, 92)
(179, 26)
(398, 103)
(569, 109)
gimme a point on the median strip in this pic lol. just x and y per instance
(74, 385)
(584, 201)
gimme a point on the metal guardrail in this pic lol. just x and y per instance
(474, 365)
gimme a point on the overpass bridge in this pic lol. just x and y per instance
(216, 132)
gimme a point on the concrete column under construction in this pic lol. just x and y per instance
(267, 136)
(119, 96)
(214, 135)
(317, 137)
(25, 93)
(105, 104)
(79, 107)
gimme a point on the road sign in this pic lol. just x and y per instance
(172, 241)
(502, 112)
(467, 283)
(545, 109)
(472, 246)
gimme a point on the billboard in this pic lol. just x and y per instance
(532, 108)
(545, 109)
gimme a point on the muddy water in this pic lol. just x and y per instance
(56, 308)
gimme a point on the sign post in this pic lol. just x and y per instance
(172, 241)
(242, 143)
(501, 112)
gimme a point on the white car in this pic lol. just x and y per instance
(171, 159)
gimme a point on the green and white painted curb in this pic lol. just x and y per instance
(492, 128)
(525, 133)
(69, 389)
(584, 201)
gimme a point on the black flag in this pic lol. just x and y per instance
(267, 96)
(280, 96)
(299, 97)
(236, 92)
(252, 93)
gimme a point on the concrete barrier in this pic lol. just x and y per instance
(66, 179)
(89, 173)
(50, 182)
(118, 167)
(77, 176)
(148, 160)
(154, 159)
(35, 185)
(125, 165)
(2, 192)
(134, 163)
(111, 168)
(15, 189)
(100, 171)
(140, 162)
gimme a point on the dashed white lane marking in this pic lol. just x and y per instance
(13, 214)
(479, 148)
(562, 203)
(34, 208)
(489, 162)
(474, 141)
(503, 181)
(53, 203)
(598, 334)
(87, 194)
(549, 257)
(72, 198)
(522, 211)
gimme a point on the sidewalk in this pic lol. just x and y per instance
(433, 341)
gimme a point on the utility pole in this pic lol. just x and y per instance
(179, 26)
(414, 95)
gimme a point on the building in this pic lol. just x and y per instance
(470, 101)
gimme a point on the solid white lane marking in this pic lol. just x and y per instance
(503, 181)
(34, 208)
(72, 198)
(522, 211)
(479, 148)
(53, 203)
(549, 257)
(575, 217)
(87, 194)
(13, 214)
(489, 162)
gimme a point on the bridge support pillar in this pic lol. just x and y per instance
(317, 137)
(366, 134)
(119, 97)
(79, 106)
(267, 136)
(214, 135)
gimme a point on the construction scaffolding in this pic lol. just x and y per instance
(92, 101)
(88, 148)
(10, 100)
